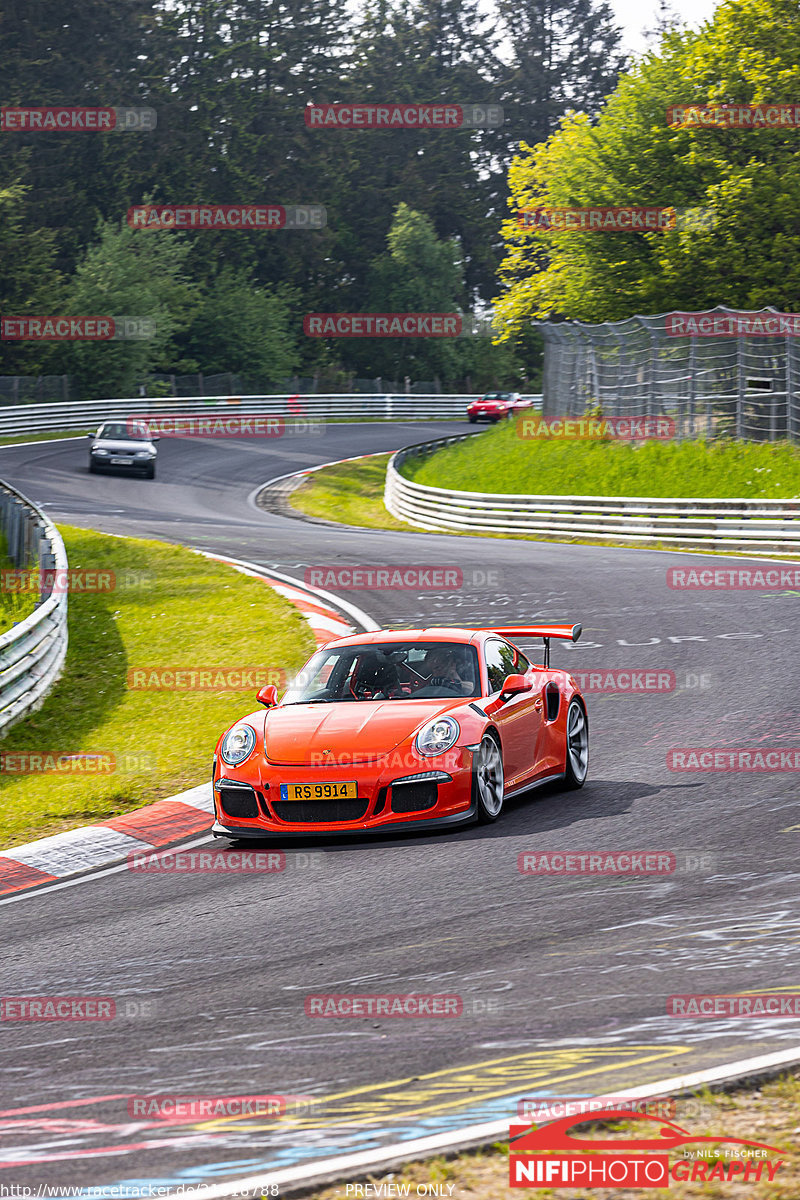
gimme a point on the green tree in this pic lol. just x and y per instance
(746, 182)
(564, 55)
(99, 53)
(244, 329)
(419, 272)
(29, 283)
(130, 273)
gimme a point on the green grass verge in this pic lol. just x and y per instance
(14, 606)
(170, 608)
(54, 436)
(350, 492)
(501, 461)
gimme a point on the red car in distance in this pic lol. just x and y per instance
(494, 406)
(401, 729)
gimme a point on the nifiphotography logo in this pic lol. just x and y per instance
(548, 1157)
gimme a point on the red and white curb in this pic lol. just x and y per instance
(179, 817)
(79, 850)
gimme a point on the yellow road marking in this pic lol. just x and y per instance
(476, 1082)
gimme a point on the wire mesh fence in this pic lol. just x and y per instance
(35, 389)
(722, 373)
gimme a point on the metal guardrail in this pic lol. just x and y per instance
(32, 653)
(88, 414)
(755, 526)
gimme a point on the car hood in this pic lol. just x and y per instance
(356, 732)
(120, 447)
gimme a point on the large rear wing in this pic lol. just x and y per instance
(567, 633)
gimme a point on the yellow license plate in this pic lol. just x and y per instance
(319, 791)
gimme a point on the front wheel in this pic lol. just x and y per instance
(488, 780)
(473, 420)
(577, 749)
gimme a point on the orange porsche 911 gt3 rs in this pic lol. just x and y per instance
(399, 729)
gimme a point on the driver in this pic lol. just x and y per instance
(443, 668)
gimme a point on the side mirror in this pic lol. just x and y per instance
(91, 435)
(155, 437)
(267, 695)
(514, 685)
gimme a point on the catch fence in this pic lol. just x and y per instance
(723, 373)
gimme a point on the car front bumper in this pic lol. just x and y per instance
(386, 799)
(105, 464)
(421, 823)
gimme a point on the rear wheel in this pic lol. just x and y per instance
(577, 756)
(488, 780)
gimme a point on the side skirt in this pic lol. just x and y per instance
(537, 783)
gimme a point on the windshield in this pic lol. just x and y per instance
(390, 671)
(497, 396)
(124, 432)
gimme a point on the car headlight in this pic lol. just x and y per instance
(437, 736)
(94, 451)
(237, 744)
(143, 454)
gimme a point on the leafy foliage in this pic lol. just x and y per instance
(229, 81)
(747, 181)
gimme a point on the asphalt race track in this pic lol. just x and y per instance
(564, 980)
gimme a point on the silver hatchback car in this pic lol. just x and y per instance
(123, 446)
